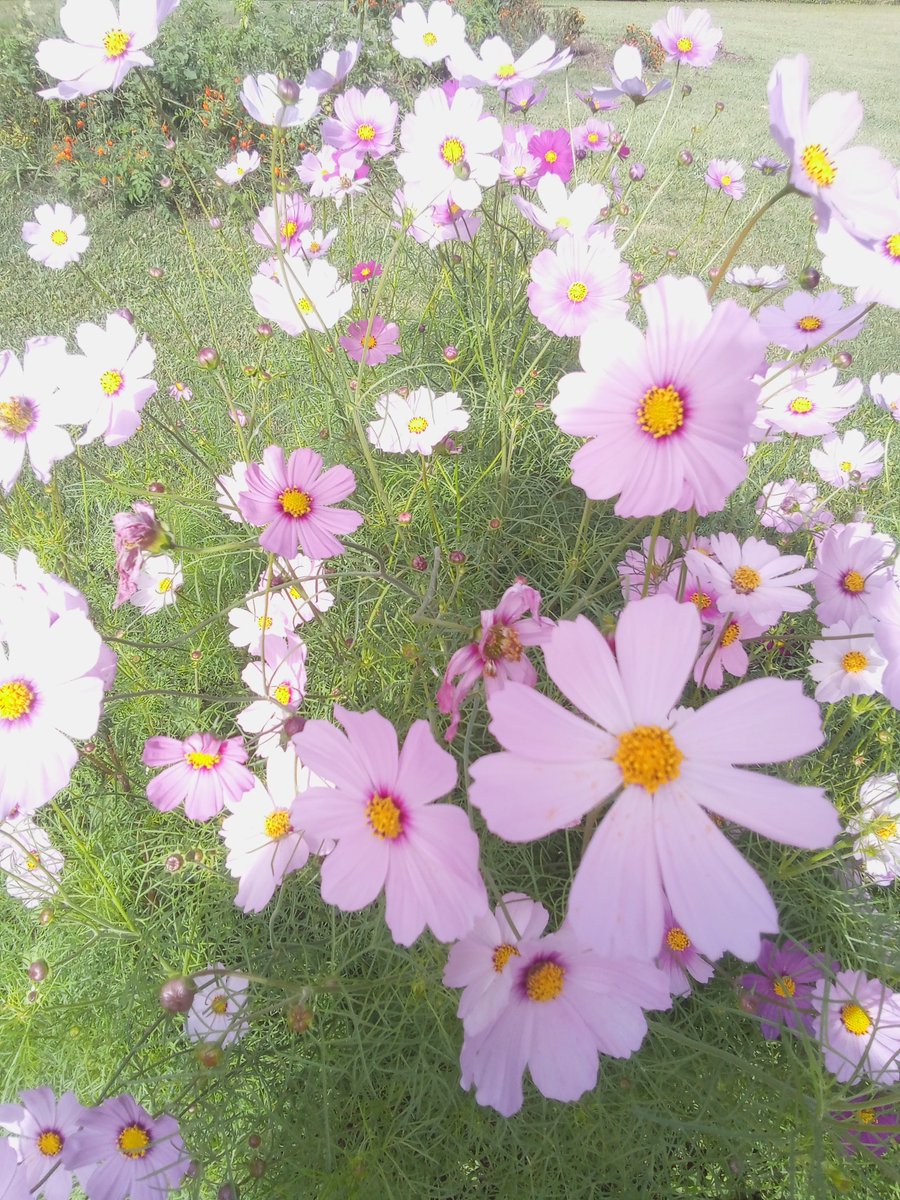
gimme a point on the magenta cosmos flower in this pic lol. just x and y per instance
(294, 500)
(679, 959)
(752, 579)
(668, 412)
(692, 39)
(656, 841)
(553, 150)
(803, 321)
(877, 1126)
(39, 1129)
(373, 344)
(857, 1023)
(137, 534)
(363, 122)
(782, 987)
(563, 1006)
(499, 654)
(122, 1152)
(204, 771)
(726, 175)
(283, 223)
(577, 284)
(391, 836)
(365, 271)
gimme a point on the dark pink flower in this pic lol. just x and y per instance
(137, 534)
(373, 345)
(293, 499)
(875, 1126)
(553, 150)
(204, 771)
(364, 271)
(782, 987)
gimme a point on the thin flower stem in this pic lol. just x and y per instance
(741, 237)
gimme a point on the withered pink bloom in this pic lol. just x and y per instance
(137, 533)
(204, 771)
(499, 654)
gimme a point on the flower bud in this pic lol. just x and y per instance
(209, 1056)
(636, 172)
(37, 971)
(174, 863)
(494, 523)
(720, 106)
(165, 182)
(844, 359)
(420, 563)
(404, 518)
(671, 253)
(451, 354)
(208, 357)
(215, 222)
(456, 556)
(686, 89)
(294, 725)
(156, 488)
(257, 1168)
(264, 329)
(299, 1018)
(177, 995)
(685, 157)
(623, 151)
(462, 170)
(254, 1141)
(288, 91)
(156, 272)
(46, 916)
(126, 314)
(809, 279)
(637, 278)
(228, 1191)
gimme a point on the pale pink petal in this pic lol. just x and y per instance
(162, 751)
(326, 751)
(534, 726)
(166, 790)
(583, 667)
(374, 745)
(426, 771)
(354, 872)
(563, 1058)
(657, 640)
(763, 721)
(521, 800)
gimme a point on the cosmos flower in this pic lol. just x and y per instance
(38, 1129)
(495, 65)
(518, 166)
(757, 278)
(787, 506)
(499, 655)
(871, 266)
(656, 841)
(523, 97)
(270, 615)
(243, 163)
(157, 584)
(848, 663)
(417, 422)
(726, 175)
(311, 298)
(283, 223)
(391, 836)
(752, 579)
(885, 392)
(56, 236)
(15, 1182)
(106, 41)
(363, 123)
(428, 38)
(577, 285)
(31, 865)
(563, 1006)
(229, 488)
(857, 1023)
(336, 65)
(308, 593)
(111, 375)
(122, 1153)
(803, 321)
(769, 166)
(553, 150)
(565, 214)
(679, 959)
(593, 137)
(137, 534)
(259, 95)
(667, 412)
(264, 834)
(372, 342)
(333, 174)
(654, 562)
(294, 499)
(278, 678)
(691, 40)
(217, 1014)
(782, 987)
(204, 772)
(180, 391)
(627, 79)
(723, 650)
(847, 460)
(315, 243)
(876, 845)
(851, 572)
(806, 399)
(876, 1127)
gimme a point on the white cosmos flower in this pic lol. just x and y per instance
(31, 863)
(157, 584)
(847, 460)
(242, 164)
(497, 66)
(228, 488)
(849, 663)
(885, 392)
(278, 678)
(431, 37)
(417, 422)
(564, 213)
(56, 236)
(308, 594)
(310, 298)
(111, 372)
(217, 1012)
(261, 616)
(875, 828)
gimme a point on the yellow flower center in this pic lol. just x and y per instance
(853, 582)
(294, 502)
(264, 623)
(366, 272)
(684, 44)
(885, 829)
(677, 939)
(518, 172)
(164, 585)
(809, 324)
(818, 166)
(867, 1115)
(502, 642)
(892, 245)
(563, 223)
(365, 133)
(202, 762)
(726, 179)
(577, 292)
(784, 987)
(278, 824)
(59, 237)
(701, 600)
(661, 412)
(854, 661)
(111, 382)
(502, 955)
(846, 465)
(801, 404)
(219, 1005)
(240, 170)
(731, 634)
(315, 247)
(545, 981)
(647, 756)
(369, 342)
(551, 156)
(429, 38)
(16, 699)
(452, 151)
(116, 43)
(16, 415)
(506, 71)
(283, 693)
(385, 817)
(304, 305)
(32, 862)
(745, 580)
(417, 425)
(593, 137)
(288, 229)
(133, 1141)
(855, 1019)
(50, 1143)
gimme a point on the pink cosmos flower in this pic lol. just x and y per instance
(806, 399)
(264, 834)
(478, 962)
(848, 663)
(656, 841)
(852, 578)
(15, 1185)
(679, 959)
(593, 137)
(847, 182)
(726, 175)
(668, 412)
(217, 1014)
(563, 1006)
(518, 166)
(204, 772)
(553, 150)
(847, 460)
(691, 39)
(334, 174)
(782, 987)
(284, 226)
(787, 506)
(804, 321)
(39, 1129)
(693, 590)
(106, 41)
(279, 680)
(56, 236)
(121, 1151)
(523, 97)
(577, 284)
(294, 498)
(871, 266)
(243, 163)
(373, 344)
(335, 67)
(180, 391)
(137, 533)
(723, 650)
(752, 579)
(110, 374)
(653, 563)
(498, 656)
(769, 166)
(857, 1023)
(365, 271)
(363, 122)
(876, 1127)
(391, 836)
